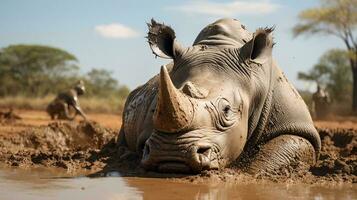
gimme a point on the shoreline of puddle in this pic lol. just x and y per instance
(43, 183)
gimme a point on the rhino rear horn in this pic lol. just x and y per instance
(174, 110)
(162, 40)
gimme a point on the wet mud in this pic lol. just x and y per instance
(87, 147)
(338, 157)
(68, 145)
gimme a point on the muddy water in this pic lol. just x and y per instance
(44, 183)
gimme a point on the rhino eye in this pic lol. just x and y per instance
(227, 109)
(226, 117)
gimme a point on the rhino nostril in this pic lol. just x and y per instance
(204, 151)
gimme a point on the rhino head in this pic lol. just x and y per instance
(205, 96)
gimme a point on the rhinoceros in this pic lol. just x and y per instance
(221, 101)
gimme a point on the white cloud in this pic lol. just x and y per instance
(116, 31)
(227, 9)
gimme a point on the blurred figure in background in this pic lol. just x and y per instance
(320, 103)
(66, 105)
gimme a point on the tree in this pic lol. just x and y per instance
(337, 18)
(33, 68)
(333, 71)
(101, 83)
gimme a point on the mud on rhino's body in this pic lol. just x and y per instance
(217, 101)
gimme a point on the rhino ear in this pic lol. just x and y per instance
(259, 48)
(162, 41)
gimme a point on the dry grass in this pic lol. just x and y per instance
(88, 104)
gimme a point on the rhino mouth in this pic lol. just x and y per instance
(173, 167)
(192, 157)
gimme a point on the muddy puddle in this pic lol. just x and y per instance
(43, 183)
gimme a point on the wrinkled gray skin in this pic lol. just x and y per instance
(218, 101)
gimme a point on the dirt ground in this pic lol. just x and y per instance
(32, 139)
(34, 118)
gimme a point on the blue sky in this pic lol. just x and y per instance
(109, 34)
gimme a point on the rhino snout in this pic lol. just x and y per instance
(192, 158)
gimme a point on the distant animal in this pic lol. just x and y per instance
(61, 106)
(320, 103)
(219, 101)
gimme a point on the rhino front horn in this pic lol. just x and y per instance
(174, 110)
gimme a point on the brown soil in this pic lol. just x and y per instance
(338, 153)
(67, 145)
(35, 140)
(37, 118)
(7, 117)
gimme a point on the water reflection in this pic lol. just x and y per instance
(47, 184)
(42, 184)
(161, 189)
